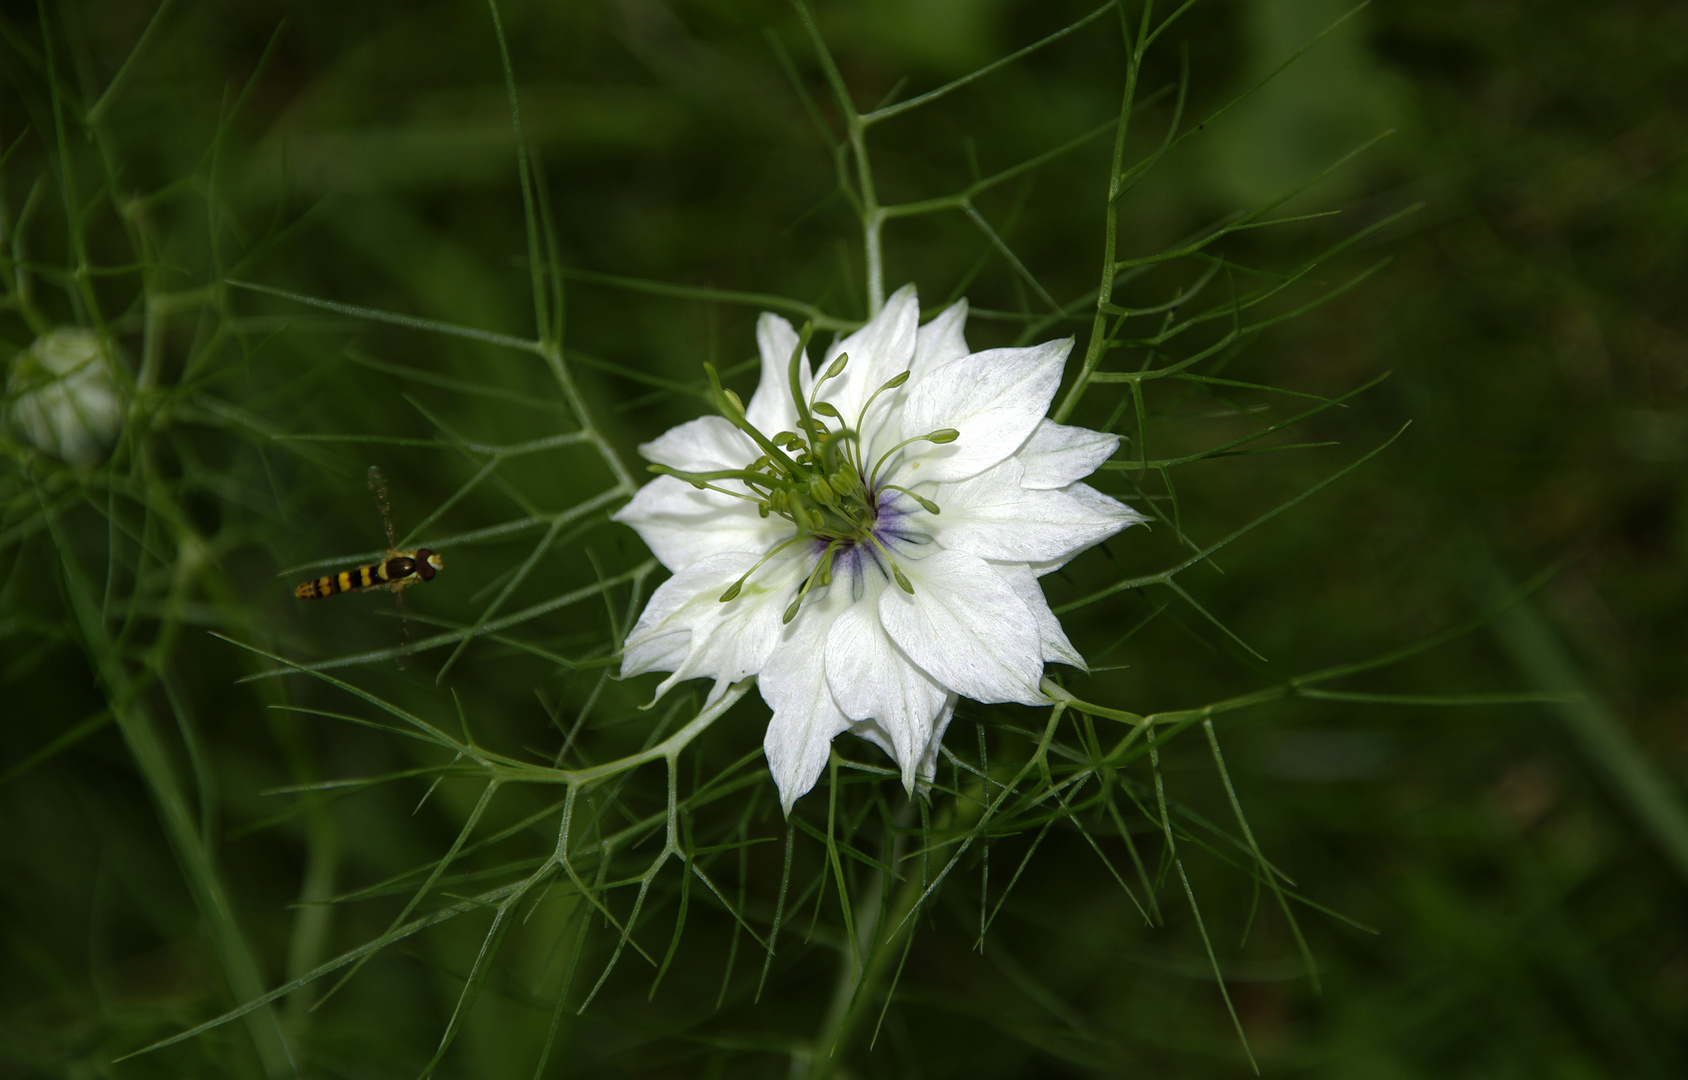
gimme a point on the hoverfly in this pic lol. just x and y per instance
(399, 570)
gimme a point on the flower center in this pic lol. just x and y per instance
(817, 477)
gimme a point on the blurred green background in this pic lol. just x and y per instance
(1524, 867)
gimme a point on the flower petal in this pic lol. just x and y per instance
(1098, 503)
(879, 350)
(723, 641)
(794, 684)
(771, 409)
(928, 771)
(994, 517)
(871, 679)
(965, 627)
(941, 340)
(994, 398)
(1052, 640)
(701, 445)
(682, 525)
(1056, 454)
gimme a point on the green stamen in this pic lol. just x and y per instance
(941, 436)
(734, 589)
(925, 504)
(896, 571)
(794, 371)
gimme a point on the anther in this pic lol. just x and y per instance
(737, 586)
(925, 504)
(941, 436)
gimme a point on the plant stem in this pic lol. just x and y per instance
(857, 986)
(180, 829)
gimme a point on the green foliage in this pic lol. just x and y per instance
(491, 250)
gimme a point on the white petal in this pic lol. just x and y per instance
(965, 627)
(873, 733)
(941, 340)
(928, 771)
(723, 641)
(682, 525)
(993, 398)
(1052, 640)
(771, 409)
(1056, 454)
(1099, 503)
(806, 718)
(702, 445)
(871, 679)
(655, 648)
(661, 639)
(995, 518)
(879, 350)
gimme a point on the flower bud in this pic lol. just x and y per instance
(64, 395)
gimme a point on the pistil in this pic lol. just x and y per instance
(814, 477)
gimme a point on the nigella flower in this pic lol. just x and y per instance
(64, 397)
(867, 542)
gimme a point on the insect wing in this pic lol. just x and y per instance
(378, 486)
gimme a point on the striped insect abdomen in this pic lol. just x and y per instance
(395, 568)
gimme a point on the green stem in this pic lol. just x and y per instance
(856, 990)
(1110, 236)
(180, 828)
(873, 216)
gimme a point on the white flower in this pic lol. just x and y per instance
(868, 543)
(64, 398)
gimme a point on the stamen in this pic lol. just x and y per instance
(835, 370)
(733, 591)
(794, 371)
(699, 479)
(896, 571)
(941, 436)
(890, 384)
(823, 566)
(733, 410)
(925, 504)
